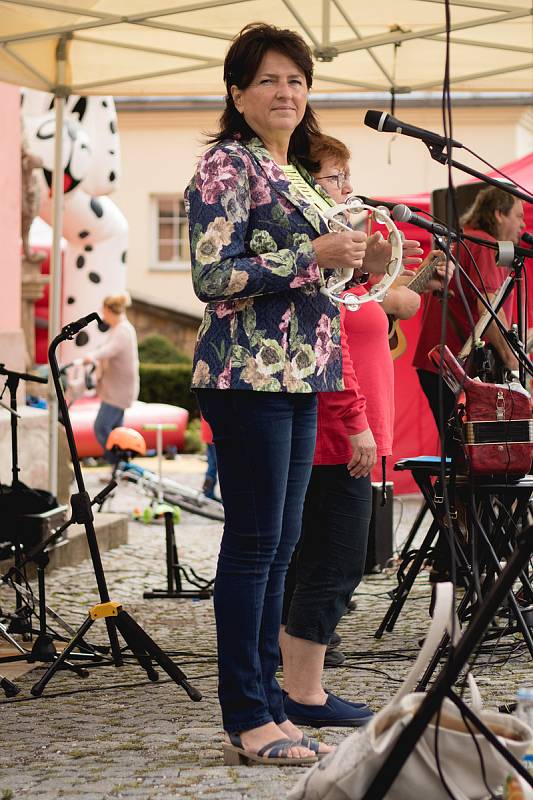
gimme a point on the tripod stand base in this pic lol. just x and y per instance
(10, 689)
(19, 624)
(175, 570)
(201, 594)
(43, 649)
(141, 645)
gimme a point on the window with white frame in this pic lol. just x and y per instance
(170, 233)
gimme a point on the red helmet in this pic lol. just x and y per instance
(126, 439)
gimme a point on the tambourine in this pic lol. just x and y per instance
(348, 216)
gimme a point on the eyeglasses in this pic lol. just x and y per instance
(340, 178)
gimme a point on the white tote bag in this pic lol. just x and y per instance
(347, 772)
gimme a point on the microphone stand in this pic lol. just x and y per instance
(116, 618)
(514, 342)
(437, 154)
(486, 610)
(458, 659)
(18, 624)
(518, 255)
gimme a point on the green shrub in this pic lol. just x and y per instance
(193, 438)
(156, 349)
(168, 383)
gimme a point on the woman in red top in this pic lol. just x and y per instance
(329, 561)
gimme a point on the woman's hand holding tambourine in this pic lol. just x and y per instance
(344, 249)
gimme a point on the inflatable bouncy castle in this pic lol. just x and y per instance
(95, 231)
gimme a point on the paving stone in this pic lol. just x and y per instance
(115, 734)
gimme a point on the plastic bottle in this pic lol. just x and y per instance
(524, 711)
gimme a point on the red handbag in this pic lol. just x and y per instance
(495, 419)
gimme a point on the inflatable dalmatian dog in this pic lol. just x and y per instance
(95, 230)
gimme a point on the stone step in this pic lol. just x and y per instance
(111, 531)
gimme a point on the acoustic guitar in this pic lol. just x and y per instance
(418, 284)
(480, 359)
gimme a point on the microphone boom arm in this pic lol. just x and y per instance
(523, 360)
(437, 154)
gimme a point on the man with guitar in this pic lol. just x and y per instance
(329, 561)
(495, 215)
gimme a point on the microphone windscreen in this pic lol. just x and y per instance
(374, 119)
(527, 238)
(401, 213)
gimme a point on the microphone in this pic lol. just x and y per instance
(371, 201)
(381, 121)
(402, 213)
(527, 238)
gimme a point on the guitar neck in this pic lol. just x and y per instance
(420, 281)
(484, 321)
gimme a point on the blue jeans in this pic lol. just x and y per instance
(264, 443)
(330, 558)
(108, 418)
(210, 478)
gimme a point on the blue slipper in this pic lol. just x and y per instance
(360, 706)
(335, 713)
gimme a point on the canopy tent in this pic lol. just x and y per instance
(146, 47)
(136, 47)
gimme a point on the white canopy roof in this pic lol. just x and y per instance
(135, 47)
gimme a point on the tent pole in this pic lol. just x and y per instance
(54, 304)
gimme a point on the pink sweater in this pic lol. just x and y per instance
(118, 359)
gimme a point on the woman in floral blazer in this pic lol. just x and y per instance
(253, 262)
(268, 342)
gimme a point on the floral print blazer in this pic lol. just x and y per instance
(266, 326)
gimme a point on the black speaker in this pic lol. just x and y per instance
(464, 198)
(379, 549)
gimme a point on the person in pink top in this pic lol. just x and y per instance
(329, 560)
(117, 361)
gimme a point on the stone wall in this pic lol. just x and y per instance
(32, 437)
(32, 434)
(149, 318)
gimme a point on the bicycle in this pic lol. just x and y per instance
(160, 489)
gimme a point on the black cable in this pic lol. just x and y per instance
(109, 687)
(397, 549)
(437, 757)
(463, 243)
(507, 178)
(472, 733)
(526, 304)
(452, 219)
(389, 677)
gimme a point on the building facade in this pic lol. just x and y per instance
(161, 145)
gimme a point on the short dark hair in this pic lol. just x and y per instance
(240, 67)
(480, 215)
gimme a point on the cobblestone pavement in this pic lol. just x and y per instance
(114, 734)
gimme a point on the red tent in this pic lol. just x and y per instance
(414, 431)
